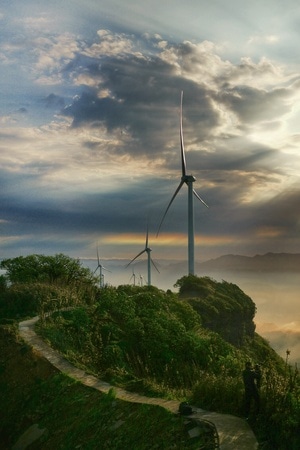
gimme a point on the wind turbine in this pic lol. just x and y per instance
(101, 277)
(147, 250)
(188, 180)
(141, 280)
(133, 276)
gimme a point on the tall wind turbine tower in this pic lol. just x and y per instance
(188, 180)
(150, 261)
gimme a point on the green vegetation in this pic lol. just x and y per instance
(75, 416)
(223, 307)
(191, 345)
(141, 339)
(37, 284)
(45, 269)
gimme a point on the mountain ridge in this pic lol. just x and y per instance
(282, 262)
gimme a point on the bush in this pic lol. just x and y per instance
(144, 333)
(31, 299)
(223, 307)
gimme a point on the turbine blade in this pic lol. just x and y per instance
(143, 251)
(154, 265)
(98, 257)
(96, 269)
(176, 192)
(199, 198)
(183, 161)
(147, 235)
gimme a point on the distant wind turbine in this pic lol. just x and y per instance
(141, 283)
(133, 276)
(102, 268)
(188, 180)
(147, 250)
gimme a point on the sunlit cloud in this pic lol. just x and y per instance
(269, 232)
(111, 44)
(125, 239)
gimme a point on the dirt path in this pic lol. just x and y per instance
(234, 432)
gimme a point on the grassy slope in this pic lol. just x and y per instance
(33, 392)
(76, 417)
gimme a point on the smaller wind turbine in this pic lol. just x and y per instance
(133, 276)
(147, 250)
(102, 268)
(141, 283)
(188, 180)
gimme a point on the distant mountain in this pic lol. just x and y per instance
(270, 262)
(224, 267)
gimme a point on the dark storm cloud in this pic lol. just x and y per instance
(282, 211)
(143, 104)
(30, 211)
(237, 155)
(90, 109)
(144, 101)
(274, 220)
(254, 105)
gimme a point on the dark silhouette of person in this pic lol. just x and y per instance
(258, 375)
(251, 389)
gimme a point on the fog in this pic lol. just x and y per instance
(277, 318)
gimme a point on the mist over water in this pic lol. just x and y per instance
(277, 298)
(276, 295)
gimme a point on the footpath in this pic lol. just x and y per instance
(234, 433)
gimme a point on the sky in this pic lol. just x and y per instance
(89, 126)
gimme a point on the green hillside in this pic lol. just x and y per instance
(192, 345)
(73, 416)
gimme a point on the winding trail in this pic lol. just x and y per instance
(234, 433)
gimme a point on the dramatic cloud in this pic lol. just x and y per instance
(90, 126)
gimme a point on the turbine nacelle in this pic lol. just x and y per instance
(188, 179)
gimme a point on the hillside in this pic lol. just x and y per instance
(187, 345)
(67, 415)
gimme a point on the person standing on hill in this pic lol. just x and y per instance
(258, 375)
(251, 389)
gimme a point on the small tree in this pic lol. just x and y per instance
(58, 269)
(37, 284)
